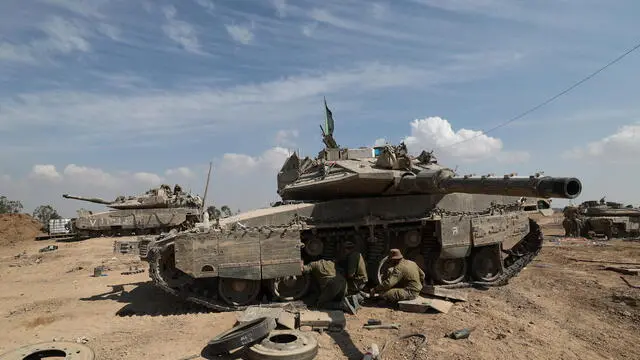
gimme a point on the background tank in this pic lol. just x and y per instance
(602, 218)
(157, 210)
(460, 230)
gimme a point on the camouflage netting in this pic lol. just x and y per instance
(15, 228)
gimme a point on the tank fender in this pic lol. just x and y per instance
(488, 230)
(253, 254)
(453, 235)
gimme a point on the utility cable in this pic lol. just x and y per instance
(549, 100)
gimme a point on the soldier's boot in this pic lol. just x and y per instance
(343, 305)
(355, 301)
(346, 306)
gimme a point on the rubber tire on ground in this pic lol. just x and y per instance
(304, 347)
(299, 295)
(241, 335)
(71, 350)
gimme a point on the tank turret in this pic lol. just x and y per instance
(160, 197)
(390, 171)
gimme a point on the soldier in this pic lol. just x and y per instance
(404, 280)
(332, 285)
(355, 272)
(572, 223)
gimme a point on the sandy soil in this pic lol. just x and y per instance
(557, 308)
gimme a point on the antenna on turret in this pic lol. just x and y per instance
(206, 188)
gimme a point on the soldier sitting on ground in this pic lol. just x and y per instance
(333, 286)
(404, 279)
(355, 271)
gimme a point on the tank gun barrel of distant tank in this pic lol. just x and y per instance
(81, 198)
(443, 181)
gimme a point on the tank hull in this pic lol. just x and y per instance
(257, 249)
(611, 226)
(134, 221)
(591, 219)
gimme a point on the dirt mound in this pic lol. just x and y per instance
(15, 228)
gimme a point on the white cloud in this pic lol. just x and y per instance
(286, 138)
(241, 164)
(181, 171)
(94, 176)
(281, 7)
(207, 5)
(148, 178)
(466, 145)
(379, 10)
(61, 37)
(110, 31)
(241, 34)
(64, 36)
(180, 31)
(46, 172)
(380, 141)
(5, 178)
(622, 146)
(87, 8)
(326, 17)
(309, 29)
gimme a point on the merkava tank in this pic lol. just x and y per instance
(460, 230)
(156, 211)
(602, 218)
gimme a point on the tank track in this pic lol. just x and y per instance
(518, 257)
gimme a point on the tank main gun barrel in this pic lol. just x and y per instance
(93, 200)
(443, 181)
(544, 187)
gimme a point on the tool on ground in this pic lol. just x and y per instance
(382, 326)
(374, 322)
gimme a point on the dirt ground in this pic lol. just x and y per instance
(557, 308)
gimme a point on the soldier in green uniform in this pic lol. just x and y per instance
(355, 272)
(333, 286)
(404, 280)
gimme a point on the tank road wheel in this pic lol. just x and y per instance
(485, 264)
(383, 269)
(448, 271)
(289, 288)
(238, 292)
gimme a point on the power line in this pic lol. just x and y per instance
(563, 92)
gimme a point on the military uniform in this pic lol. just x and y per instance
(404, 282)
(332, 285)
(355, 272)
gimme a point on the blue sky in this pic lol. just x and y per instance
(109, 97)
